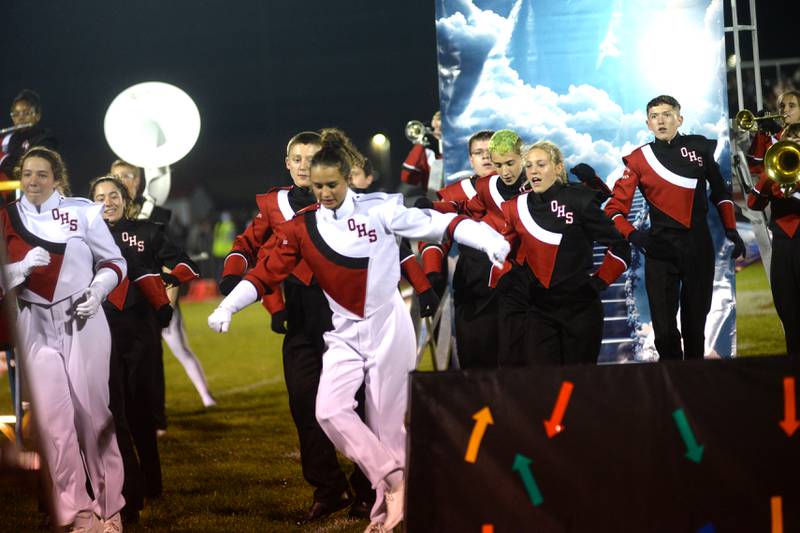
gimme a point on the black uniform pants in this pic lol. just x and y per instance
(309, 316)
(539, 326)
(475, 309)
(785, 280)
(679, 272)
(136, 351)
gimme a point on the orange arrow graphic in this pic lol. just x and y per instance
(553, 426)
(789, 422)
(776, 505)
(482, 419)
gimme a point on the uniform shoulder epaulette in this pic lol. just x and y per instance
(278, 188)
(306, 209)
(76, 200)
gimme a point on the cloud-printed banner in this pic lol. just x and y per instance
(580, 73)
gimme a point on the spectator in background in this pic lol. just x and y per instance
(224, 234)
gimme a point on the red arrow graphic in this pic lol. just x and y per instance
(789, 422)
(554, 426)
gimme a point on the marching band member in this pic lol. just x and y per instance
(349, 242)
(476, 317)
(770, 130)
(302, 315)
(63, 252)
(26, 114)
(137, 310)
(174, 334)
(424, 161)
(784, 221)
(553, 229)
(671, 172)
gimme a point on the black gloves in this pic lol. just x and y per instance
(169, 279)
(738, 244)
(423, 202)
(771, 125)
(597, 284)
(228, 282)
(583, 171)
(428, 303)
(279, 322)
(164, 315)
(639, 238)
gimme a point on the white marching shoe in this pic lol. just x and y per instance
(395, 503)
(377, 527)
(86, 522)
(113, 524)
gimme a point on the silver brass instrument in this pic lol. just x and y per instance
(745, 120)
(15, 128)
(782, 163)
(416, 131)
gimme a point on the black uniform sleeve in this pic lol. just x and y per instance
(172, 257)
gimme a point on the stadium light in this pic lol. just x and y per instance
(379, 140)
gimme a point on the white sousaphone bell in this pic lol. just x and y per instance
(152, 125)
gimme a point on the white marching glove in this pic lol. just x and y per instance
(481, 236)
(220, 319)
(240, 297)
(16, 273)
(93, 298)
(35, 257)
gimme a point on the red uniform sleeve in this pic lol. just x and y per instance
(276, 266)
(619, 205)
(244, 252)
(432, 255)
(759, 196)
(755, 156)
(415, 168)
(153, 289)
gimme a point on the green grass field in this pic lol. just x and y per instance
(236, 467)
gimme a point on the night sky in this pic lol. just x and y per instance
(258, 70)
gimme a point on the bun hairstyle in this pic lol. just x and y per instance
(130, 207)
(56, 165)
(337, 151)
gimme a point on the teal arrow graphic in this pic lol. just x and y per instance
(694, 452)
(522, 465)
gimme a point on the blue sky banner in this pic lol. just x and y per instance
(580, 73)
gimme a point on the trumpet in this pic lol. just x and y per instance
(416, 131)
(15, 128)
(782, 163)
(745, 120)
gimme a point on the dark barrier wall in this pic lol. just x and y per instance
(659, 447)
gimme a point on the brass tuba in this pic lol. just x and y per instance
(782, 163)
(745, 120)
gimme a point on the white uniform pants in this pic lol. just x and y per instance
(66, 363)
(175, 337)
(378, 351)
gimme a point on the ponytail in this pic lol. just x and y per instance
(337, 151)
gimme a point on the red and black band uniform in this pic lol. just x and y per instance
(758, 148)
(785, 264)
(307, 316)
(474, 298)
(136, 311)
(679, 270)
(550, 308)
